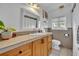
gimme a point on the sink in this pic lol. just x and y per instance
(37, 34)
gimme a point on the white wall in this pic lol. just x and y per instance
(10, 13)
(75, 26)
(68, 19)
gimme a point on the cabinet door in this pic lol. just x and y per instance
(45, 46)
(37, 48)
(40, 47)
(44, 51)
(49, 44)
(49, 48)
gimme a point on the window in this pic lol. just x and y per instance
(59, 23)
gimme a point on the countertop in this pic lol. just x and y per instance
(12, 43)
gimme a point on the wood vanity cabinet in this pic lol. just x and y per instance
(24, 50)
(39, 47)
(49, 44)
(43, 46)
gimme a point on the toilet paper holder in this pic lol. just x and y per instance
(66, 35)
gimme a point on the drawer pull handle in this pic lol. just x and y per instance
(42, 41)
(20, 52)
(51, 48)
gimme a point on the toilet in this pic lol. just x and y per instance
(55, 44)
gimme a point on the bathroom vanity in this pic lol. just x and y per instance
(38, 44)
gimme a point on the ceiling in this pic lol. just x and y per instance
(54, 10)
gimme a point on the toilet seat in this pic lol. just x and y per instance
(55, 44)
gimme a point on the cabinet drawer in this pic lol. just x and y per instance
(17, 51)
(26, 53)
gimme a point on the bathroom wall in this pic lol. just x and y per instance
(60, 35)
(68, 16)
(10, 13)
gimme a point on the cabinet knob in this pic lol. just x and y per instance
(42, 41)
(20, 52)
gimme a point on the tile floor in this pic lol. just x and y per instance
(62, 52)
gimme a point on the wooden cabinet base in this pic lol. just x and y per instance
(23, 50)
(39, 47)
(42, 47)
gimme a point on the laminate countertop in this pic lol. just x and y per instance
(12, 43)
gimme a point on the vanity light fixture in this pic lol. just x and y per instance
(61, 7)
(34, 5)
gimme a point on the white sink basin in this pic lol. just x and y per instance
(37, 34)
